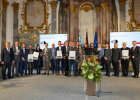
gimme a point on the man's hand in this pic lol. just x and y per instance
(23, 59)
(13, 62)
(2, 62)
(119, 61)
(133, 56)
(105, 58)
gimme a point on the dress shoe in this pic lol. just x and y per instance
(17, 76)
(63, 74)
(134, 76)
(69, 74)
(51, 73)
(56, 74)
(44, 74)
(48, 74)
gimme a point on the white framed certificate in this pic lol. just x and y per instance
(35, 55)
(30, 57)
(59, 54)
(72, 54)
(125, 54)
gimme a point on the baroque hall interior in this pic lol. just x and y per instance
(25, 20)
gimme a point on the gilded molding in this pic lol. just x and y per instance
(53, 4)
(45, 27)
(122, 2)
(76, 10)
(132, 19)
(71, 8)
(98, 9)
(104, 6)
(15, 6)
(5, 3)
(87, 7)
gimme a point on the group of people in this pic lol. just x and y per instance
(59, 60)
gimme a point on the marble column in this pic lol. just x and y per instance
(104, 22)
(98, 23)
(0, 27)
(15, 19)
(76, 24)
(9, 24)
(4, 14)
(72, 24)
(54, 17)
(122, 15)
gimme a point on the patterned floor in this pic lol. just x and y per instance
(43, 87)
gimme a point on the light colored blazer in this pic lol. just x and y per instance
(46, 55)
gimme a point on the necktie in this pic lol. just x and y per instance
(133, 49)
(24, 51)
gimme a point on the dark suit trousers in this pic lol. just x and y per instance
(66, 67)
(107, 66)
(5, 67)
(116, 68)
(58, 67)
(30, 67)
(23, 65)
(125, 65)
(53, 64)
(135, 64)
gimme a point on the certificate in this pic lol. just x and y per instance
(30, 57)
(59, 54)
(35, 55)
(125, 54)
(72, 54)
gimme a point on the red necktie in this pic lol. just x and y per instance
(133, 49)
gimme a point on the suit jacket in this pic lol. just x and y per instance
(47, 56)
(93, 51)
(17, 57)
(30, 51)
(125, 49)
(24, 55)
(116, 55)
(136, 53)
(7, 57)
(73, 49)
(65, 52)
(51, 56)
(108, 53)
(62, 49)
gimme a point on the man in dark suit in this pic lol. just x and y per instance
(7, 58)
(23, 61)
(135, 56)
(116, 59)
(107, 58)
(125, 60)
(16, 50)
(66, 65)
(58, 59)
(30, 63)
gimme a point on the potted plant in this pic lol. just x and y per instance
(91, 70)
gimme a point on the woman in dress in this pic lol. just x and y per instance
(38, 64)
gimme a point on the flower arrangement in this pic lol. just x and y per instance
(91, 69)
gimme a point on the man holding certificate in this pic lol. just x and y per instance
(73, 54)
(30, 59)
(59, 59)
(125, 59)
(16, 50)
